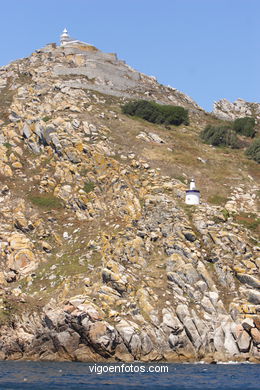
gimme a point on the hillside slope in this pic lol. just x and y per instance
(100, 257)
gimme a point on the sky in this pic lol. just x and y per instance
(208, 49)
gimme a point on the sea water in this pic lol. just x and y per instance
(66, 375)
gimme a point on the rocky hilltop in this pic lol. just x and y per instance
(100, 257)
(226, 110)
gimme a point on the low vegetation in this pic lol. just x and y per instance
(157, 113)
(46, 201)
(88, 186)
(220, 136)
(7, 145)
(46, 118)
(249, 220)
(253, 152)
(226, 135)
(245, 126)
(218, 200)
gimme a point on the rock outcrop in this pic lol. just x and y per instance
(100, 258)
(226, 110)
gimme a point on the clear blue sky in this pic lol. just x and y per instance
(209, 49)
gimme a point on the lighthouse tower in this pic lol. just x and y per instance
(192, 195)
(64, 38)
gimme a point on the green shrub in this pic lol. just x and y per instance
(219, 136)
(157, 113)
(245, 126)
(226, 214)
(175, 115)
(88, 186)
(253, 151)
(46, 201)
(46, 118)
(7, 145)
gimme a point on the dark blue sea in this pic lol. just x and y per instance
(54, 375)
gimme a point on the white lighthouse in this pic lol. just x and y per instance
(192, 195)
(67, 40)
(64, 38)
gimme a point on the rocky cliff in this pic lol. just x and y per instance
(100, 257)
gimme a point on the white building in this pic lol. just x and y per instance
(66, 40)
(192, 195)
